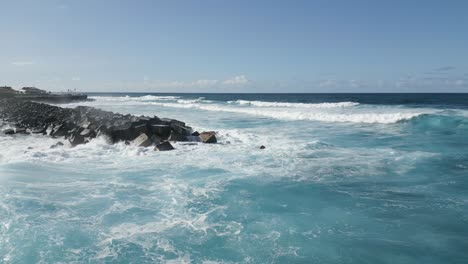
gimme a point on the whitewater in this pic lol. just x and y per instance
(343, 179)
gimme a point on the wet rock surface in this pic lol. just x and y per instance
(81, 124)
(208, 137)
(165, 146)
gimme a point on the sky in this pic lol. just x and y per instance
(235, 46)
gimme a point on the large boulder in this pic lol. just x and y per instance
(59, 130)
(169, 121)
(162, 131)
(183, 130)
(165, 146)
(154, 121)
(76, 139)
(208, 137)
(121, 132)
(142, 141)
(138, 128)
(20, 130)
(156, 139)
(176, 136)
(9, 131)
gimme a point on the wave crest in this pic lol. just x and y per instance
(145, 98)
(287, 114)
(294, 105)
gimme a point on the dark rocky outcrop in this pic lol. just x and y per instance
(81, 124)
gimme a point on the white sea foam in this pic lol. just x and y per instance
(289, 114)
(294, 105)
(342, 112)
(127, 98)
(324, 112)
(191, 101)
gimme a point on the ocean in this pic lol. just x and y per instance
(344, 178)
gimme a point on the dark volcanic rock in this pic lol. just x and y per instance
(161, 130)
(76, 139)
(81, 124)
(182, 130)
(208, 137)
(262, 147)
(60, 130)
(9, 131)
(121, 132)
(176, 136)
(140, 128)
(169, 121)
(165, 146)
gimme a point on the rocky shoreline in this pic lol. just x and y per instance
(81, 124)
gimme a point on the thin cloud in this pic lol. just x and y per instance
(203, 83)
(328, 83)
(237, 80)
(22, 63)
(355, 83)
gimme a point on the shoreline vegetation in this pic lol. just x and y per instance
(82, 124)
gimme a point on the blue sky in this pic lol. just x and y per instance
(235, 46)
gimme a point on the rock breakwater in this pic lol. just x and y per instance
(81, 124)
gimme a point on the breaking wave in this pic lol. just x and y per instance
(323, 112)
(294, 105)
(287, 114)
(145, 98)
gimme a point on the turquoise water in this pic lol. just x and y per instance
(343, 179)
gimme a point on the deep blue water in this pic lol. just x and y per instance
(344, 178)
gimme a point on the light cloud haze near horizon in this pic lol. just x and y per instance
(235, 46)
